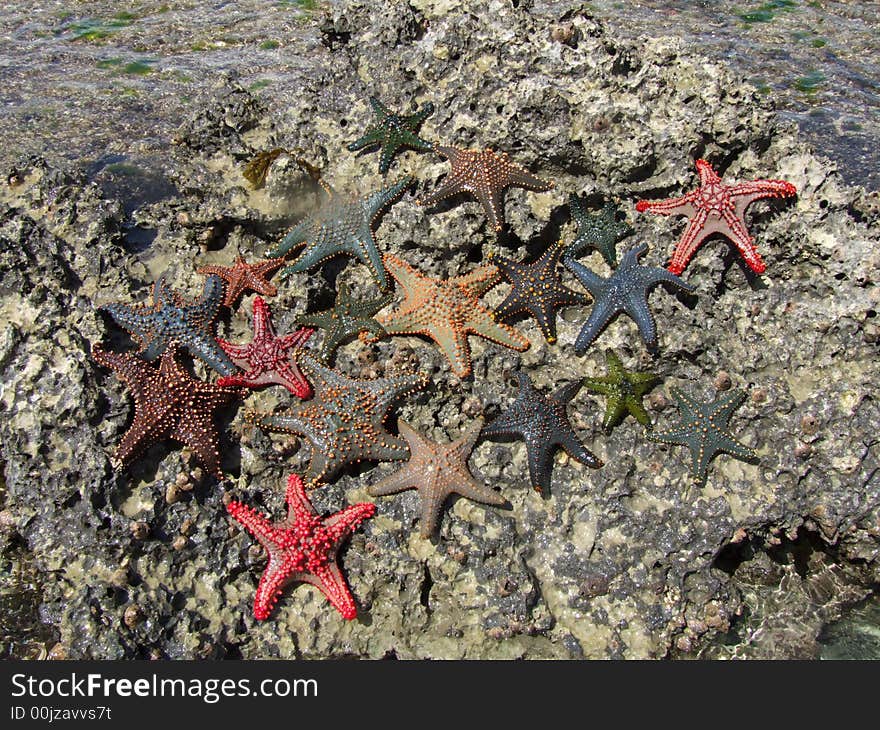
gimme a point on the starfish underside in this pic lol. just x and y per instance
(447, 311)
(302, 548)
(716, 207)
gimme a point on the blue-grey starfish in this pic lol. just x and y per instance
(170, 318)
(344, 422)
(543, 423)
(342, 225)
(626, 290)
(704, 429)
(596, 231)
(393, 132)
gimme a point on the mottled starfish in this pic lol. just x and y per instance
(268, 359)
(537, 290)
(543, 423)
(393, 132)
(716, 207)
(342, 225)
(625, 291)
(168, 403)
(302, 548)
(447, 311)
(624, 390)
(484, 174)
(242, 277)
(344, 422)
(347, 319)
(704, 429)
(596, 231)
(437, 471)
(172, 319)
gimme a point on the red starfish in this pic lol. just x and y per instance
(302, 548)
(168, 403)
(715, 207)
(244, 277)
(266, 356)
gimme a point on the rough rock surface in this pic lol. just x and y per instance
(624, 561)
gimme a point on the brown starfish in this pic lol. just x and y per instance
(242, 277)
(484, 174)
(448, 311)
(168, 403)
(437, 470)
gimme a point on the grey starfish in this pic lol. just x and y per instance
(342, 225)
(437, 471)
(626, 291)
(598, 231)
(704, 429)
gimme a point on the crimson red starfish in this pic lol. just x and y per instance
(265, 359)
(302, 548)
(715, 207)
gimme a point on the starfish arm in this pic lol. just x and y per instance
(737, 232)
(399, 481)
(368, 254)
(269, 589)
(634, 406)
(410, 280)
(388, 390)
(130, 369)
(141, 434)
(330, 581)
(255, 523)
(296, 340)
(522, 178)
(594, 283)
(432, 504)
(136, 319)
(725, 405)
(236, 352)
(205, 308)
(615, 410)
(565, 393)
(288, 422)
(637, 309)
(207, 349)
(513, 304)
(472, 489)
(262, 320)
(369, 307)
(451, 186)
(736, 449)
(545, 316)
(200, 434)
(482, 324)
(700, 460)
(693, 236)
(386, 156)
(706, 173)
(322, 320)
(155, 348)
(540, 465)
(288, 375)
(454, 345)
(311, 256)
(690, 408)
(425, 111)
(297, 235)
(664, 276)
(383, 198)
(601, 386)
(379, 109)
(600, 315)
(576, 450)
(479, 281)
(341, 524)
(670, 206)
(464, 444)
(675, 436)
(492, 201)
(745, 193)
(372, 137)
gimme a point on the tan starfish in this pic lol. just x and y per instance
(447, 311)
(242, 277)
(436, 471)
(484, 174)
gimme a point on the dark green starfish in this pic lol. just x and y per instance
(393, 132)
(625, 291)
(344, 422)
(596, 231)
(171, 318)
(624, 389)
(704, 429)
(342, 225)
(543, 424)
(345, 320)
(536, 290)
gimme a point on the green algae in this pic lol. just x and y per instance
(810, 83)
(269, 45)
(766, 12)
(259, 84)
(97, 29)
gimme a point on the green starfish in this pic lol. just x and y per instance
(624, 389)
(393, 132)
(347, 318)
(704, 430)
(342, 225)
(597, 231)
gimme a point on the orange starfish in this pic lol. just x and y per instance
(448, 311)
(242, 277)
(484, 174)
